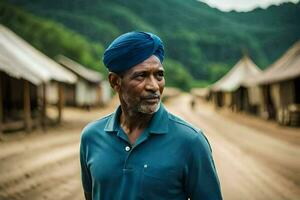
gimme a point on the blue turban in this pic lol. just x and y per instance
(131, 49)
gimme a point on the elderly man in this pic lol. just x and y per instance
(141, 151)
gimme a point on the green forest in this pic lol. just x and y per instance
(202, 43)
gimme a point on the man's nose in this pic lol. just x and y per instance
(152, 84)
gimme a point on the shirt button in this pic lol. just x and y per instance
(127, 148)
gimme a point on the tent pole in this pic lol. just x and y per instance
(27, 111)
(44, 106)
(1, 108)
(60, 103)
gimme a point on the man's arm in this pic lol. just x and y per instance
(88, 196)
(85, 172)
(201, 177)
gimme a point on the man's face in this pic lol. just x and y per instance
(142, 86)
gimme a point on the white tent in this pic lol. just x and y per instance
(90, 89)
(27, 71)
(29, 63)
(244, 69)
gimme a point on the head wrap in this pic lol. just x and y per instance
(130, 49)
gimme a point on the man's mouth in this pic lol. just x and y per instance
(152, 98)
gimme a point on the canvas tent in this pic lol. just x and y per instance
(24, 74)
(281, 87)
(90, 89)
(231, 91)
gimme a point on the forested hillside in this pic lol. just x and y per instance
(206, 41)
(53, 39)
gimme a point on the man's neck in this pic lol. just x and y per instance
(132, 121)
(134, 124)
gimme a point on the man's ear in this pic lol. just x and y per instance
(115, 81)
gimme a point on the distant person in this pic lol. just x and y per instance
(141, 151)
(193, 103)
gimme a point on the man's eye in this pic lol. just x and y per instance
(140, 76)
(160, 75)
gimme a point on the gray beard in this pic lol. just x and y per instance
(149, 109)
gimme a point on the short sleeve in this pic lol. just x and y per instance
(85, 172)
(201, 177)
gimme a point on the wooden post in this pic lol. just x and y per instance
(27, 110)
(60, 102)
(1, 107)
(44, 106)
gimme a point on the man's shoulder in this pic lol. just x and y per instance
(186, 130)
(176, 121)
(95, 127)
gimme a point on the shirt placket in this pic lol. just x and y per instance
(131, 172)
(128, 148)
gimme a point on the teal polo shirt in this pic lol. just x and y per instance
(171, 160)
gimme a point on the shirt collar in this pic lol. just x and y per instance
(158, 124)
(113, 121)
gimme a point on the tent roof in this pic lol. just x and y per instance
(286, 67)
(243, 70)
(21, 60)
(85, 73)
(16, 71)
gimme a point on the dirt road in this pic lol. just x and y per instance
(255, 160)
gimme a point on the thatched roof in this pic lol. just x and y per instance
(286, 67)
(9, 67)
(83, 72)
(243, 70)
(20, 60)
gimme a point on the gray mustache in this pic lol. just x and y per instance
(152, 96)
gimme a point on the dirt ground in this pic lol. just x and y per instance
(255, 159)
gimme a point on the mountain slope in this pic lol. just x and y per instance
(199, 37)
(53, 38)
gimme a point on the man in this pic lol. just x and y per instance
(141, 151)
